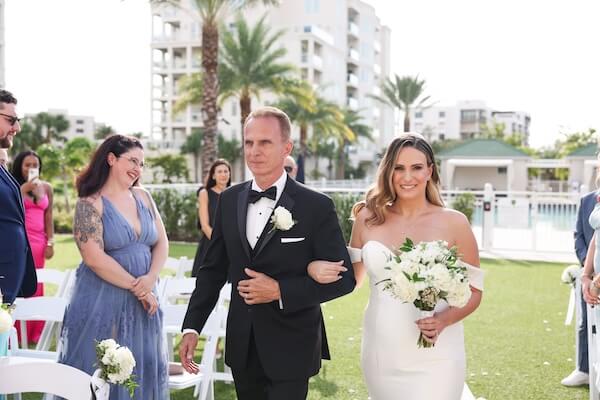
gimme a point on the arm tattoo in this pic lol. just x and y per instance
(87, 225)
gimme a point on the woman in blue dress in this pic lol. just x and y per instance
(123, 245)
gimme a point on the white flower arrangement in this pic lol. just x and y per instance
(570, 274)
(6, 321)
(425, 273)
(282, 219)
(116, 364)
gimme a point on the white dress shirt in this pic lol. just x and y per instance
(259, 213)
(257, 217)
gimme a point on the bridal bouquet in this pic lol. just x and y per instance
(116, 364)
(425, 273)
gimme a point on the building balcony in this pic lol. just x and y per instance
(179, 64)
(352, 103)
(376, 69)
(352, 80)
(377, 46)
(353, 29)
(319, 34)
(317, 61)
(353, 55)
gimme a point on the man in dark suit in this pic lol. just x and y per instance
(583, 237)
(266, 232)
(17, 271)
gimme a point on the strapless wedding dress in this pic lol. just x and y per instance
(393, 366)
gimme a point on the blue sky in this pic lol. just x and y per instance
(92, 57)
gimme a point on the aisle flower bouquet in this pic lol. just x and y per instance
(423, 274)
(6, 321)
(116, 364)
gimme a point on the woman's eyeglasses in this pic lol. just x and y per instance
(135, 162)
(12, 120)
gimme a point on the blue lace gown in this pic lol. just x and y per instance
(99, 310)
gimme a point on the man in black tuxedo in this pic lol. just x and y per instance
(17, 271)
(275, 331)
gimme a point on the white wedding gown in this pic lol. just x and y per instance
(393, 366)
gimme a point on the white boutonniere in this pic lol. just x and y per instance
(6, 321)
(282, 219)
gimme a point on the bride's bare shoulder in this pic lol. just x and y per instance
(453, 218)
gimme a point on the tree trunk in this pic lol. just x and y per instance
(196, 156)
(407, 121)
(65, 190)
(210, 81)
(245, 109)
(341, 161)
(303, 139)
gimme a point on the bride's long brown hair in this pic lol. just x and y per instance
(382, 193)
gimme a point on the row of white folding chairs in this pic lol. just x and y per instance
(178, 266)
(174, 297)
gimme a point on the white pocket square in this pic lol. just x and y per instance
(291, 240)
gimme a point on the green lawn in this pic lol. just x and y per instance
(517, 344)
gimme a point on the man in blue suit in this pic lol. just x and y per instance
(583, 236)
(17, 271)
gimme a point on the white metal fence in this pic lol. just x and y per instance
(523, 221)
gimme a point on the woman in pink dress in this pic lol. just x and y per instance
(37, 198)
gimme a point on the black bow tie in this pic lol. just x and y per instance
(270, 193)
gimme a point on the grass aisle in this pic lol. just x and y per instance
(517, 345)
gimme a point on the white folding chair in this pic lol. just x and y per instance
(593, 350)
(203, 381)
(49, 309)
(185, 265)
(171, 265)
(24, 375)
(64, 281)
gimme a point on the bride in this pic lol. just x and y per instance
(405, 202)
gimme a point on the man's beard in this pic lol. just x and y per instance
(5, 142)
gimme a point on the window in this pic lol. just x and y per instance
(79, 122)
(502, 170)
(311, 6)
(419, 114)
(442, 136)
(79, 130)
(442, 114)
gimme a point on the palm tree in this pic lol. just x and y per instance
(404, 93)
(212, 14)
(52, 125)
(324, 116)
(103, 132)
(193, 146)
(252, 65)
(353, 122)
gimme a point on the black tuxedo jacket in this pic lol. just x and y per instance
(290, 341)
(17, 271)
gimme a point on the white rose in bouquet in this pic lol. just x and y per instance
(116, 364)
(6, 321)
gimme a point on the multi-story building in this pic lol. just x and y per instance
(2, 58)
(339, 46)
(466, 120)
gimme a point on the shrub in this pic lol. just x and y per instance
(63, 221)
(179, 213)
(343, 206)
(465, 203)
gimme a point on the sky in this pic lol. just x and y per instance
(91, 57)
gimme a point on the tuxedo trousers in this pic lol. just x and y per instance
(252, 383)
